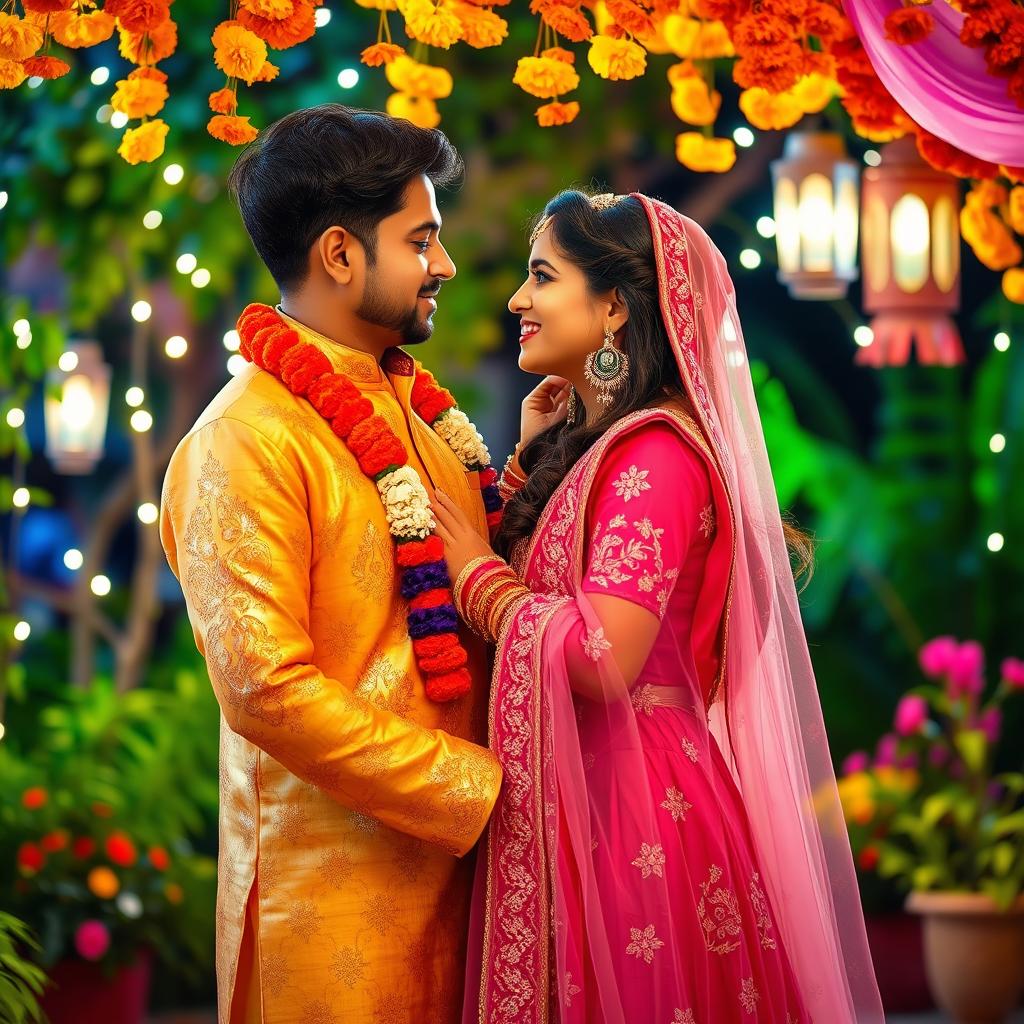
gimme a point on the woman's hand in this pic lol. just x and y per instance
(461, 541)
(546, 405)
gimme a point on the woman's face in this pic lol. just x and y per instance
(561, 322)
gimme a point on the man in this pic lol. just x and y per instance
(348, 796)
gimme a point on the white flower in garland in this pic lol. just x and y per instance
(406, 503)
(455, 428)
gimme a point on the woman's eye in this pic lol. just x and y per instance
(541, 276)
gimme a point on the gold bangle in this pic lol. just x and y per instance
(467, 570)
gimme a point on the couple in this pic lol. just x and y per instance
(594, 664)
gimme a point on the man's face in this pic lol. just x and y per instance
(410, 266)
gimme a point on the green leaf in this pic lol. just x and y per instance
(972, 745)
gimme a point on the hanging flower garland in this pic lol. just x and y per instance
(273, 346)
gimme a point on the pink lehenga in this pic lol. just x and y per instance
(673, 852)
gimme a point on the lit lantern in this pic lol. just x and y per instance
(78, 396)
(911, 259)
(816, 196)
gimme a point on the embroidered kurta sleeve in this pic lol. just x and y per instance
(650, 500)
(232, 505)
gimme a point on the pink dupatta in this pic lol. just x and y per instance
(542, 948)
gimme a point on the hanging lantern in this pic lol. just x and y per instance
(815, 186)
(78, 396)
(911, 259)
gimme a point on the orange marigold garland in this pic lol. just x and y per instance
(433, 621)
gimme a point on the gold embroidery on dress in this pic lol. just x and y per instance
(760, 904)
(611, 555)
(690, 749)
(571, 989)
(749, 995)
(318, 1011)
(373, 565)
(683, 1017)
(676, 804)
(375, 759)
(707, 520)
(650, 860)
(642, 699)
(594, 643)
(644, 944)
(304, 920)
(274, 972)
(386, 686)
(336, 868)
(379, 912)
(631, 484)
(722, 921)
(348, 965)
(291, 823)
(409, 857)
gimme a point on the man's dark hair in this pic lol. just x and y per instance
(331, 165)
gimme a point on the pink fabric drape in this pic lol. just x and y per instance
(942, 84)
(672, 852)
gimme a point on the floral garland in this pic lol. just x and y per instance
(273, 346)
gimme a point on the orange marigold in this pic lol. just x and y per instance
(813, 92)
(268, 72)
(775, 68)
(45, 6)
(151, 47)
(554, 113)
(544, 77)
(632, 17)
(46, 67)
(18, 38)
(567, 21)
(944, 157)
(420, 110)
(559, 53)
(1013, 285)
(698, 153)
(144, 144)
(480, 28)
(757, 30)
(693, 103)
(280, 35)
(231, 129)
(12, 74)
(139, 15)
(416, 79)
(436, 25)
(238, 52)
(381, 53)
(1017, 209)
(617, 59)
(139, 97)
(908, 25)
(272, 10)
(223, 101)
(75, 29)
(154, 74)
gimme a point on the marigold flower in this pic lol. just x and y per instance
(559, 53)
(775, 68)
(103, 883)
(34, 798)
(694, 104)
(568, 21)
(989, 237)
(1013, 284)
(416, 79)
(813, 92)
(45, 6)
(630, 16)
(286, 32)
(378, 5)
(151, 47)
(480, 28)
(768, 111)
(46, 67)
(436, 25)
(18, 38)
(272, 10)
(381, 53)
(75, 29)
(139, 97)
(234, 130)
(617, 59)
(30, 858)
(555, 113)
(908, 25)
(699, 40)
(544, 77)
(238, 52)
(139, 15)
(144, 144)
(12, 73)
(223, 101)
(120, 850)
(698, 153)
(268, 72)
(420, 110)
(1017, 209)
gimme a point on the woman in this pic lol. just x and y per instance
(668, 847)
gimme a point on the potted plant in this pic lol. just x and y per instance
(21, 981)
(930, 811)
(96, 821)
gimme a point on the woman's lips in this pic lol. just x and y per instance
(527, 331)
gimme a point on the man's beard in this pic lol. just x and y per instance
(383, 309)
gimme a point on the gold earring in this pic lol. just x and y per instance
(570, 409)
(607, 369)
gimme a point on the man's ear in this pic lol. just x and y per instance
(339, 252)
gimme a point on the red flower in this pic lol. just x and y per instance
(419, 552)
(488, 476)
(30, 857)
(53, 842)
(446, 661)
(494, 518)
(428, 599)
(868, 858)
(46, 67)
(432, 646)
(83, 847)
(158, 858)
(34, 798)
(120, 850)
(350, 415)
(449, 686)
(908, 25)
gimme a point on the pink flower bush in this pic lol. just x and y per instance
(911, 715)
(92, 940)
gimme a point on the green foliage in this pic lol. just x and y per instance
(21, 981)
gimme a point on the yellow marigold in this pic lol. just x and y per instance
(555, 113)
(770, 111)
(12, 74)
(700, 40)
(617, 59)
(234, 130)
(678, 72)
(139, 97)
(144, 144)
(380, 53)
(420, 110)
(434, 25)
(545, 77)
(18, 38)
(987, 194)
(379, 5)
(149, 48)
(813, 92)
(655, 41)
(274, 10)
(416, 79)
(268, 72)
(698, 153)
(103, 883)
(988, 236)
(1013, 285)
(223, 101)
(480, 28)
(75, 30)
(238, 52)
(1017, 209)
(559, 53)
(693, 104)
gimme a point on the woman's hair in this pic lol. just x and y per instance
(614, 248)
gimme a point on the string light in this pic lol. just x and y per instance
(348, 78)
(24, 340)
(173, 173)
(134, 397)
(73, 559)
(997, 443)
(232, 342)
(100, 585)
(766, 227)
(21, 326)
(104, 113)
(34, 82)
(20, 498)
(15, 417)
(200, 278)
(141, 421)
(236, 364)
(863, 335)
(743, 136)
(141, 311)
(186, 263)
(750, 258)
(147, 513)
(100, 76)
(68, 361)
(872, 158)
(996, 541)
(22, 631)
(118, 119)
(3, 199)
(153, 220)
(323, 16)
(1001, 341)
(175, 347)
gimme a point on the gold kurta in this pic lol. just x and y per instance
(347, 797)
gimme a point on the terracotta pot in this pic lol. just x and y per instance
(974, 954)
(80, 993)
